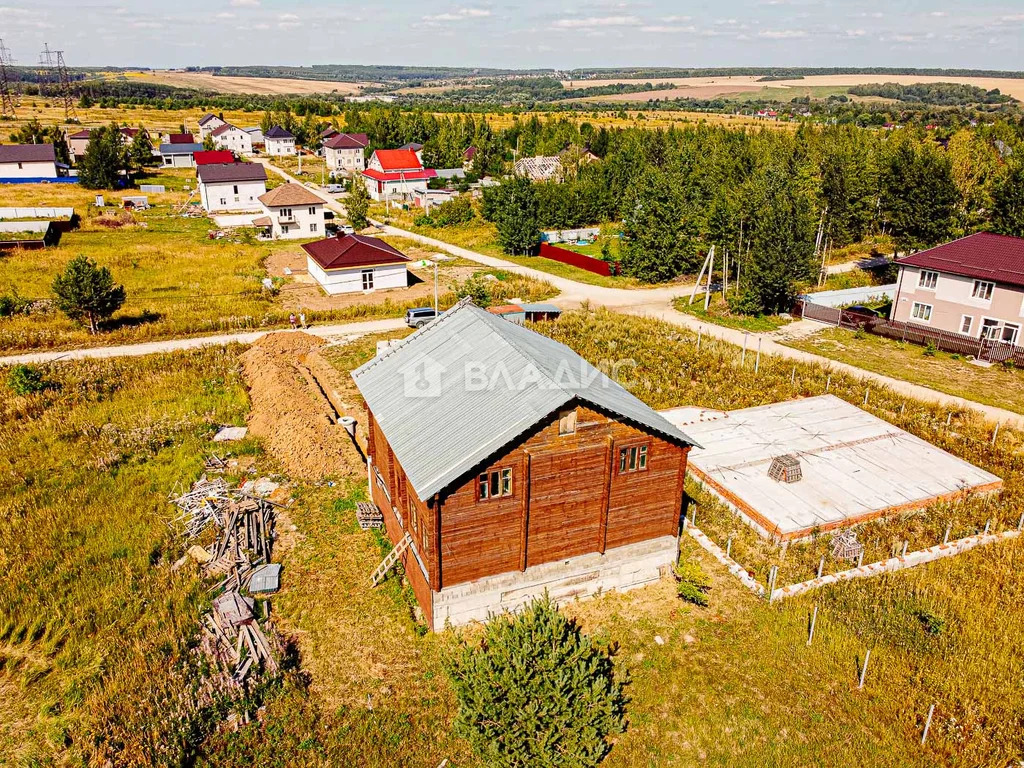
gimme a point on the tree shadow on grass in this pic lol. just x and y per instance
(131, 321)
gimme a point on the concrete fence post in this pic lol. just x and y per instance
(905, 543)
(995, 433)
(945, 539)
(743, 355)
(821, 566)
(828, 383)
(927, 724)
(728, 547)
(757, 361)
(864, 670)
(814, 619)
(866, 393)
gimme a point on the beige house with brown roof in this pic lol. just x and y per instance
(292, 212)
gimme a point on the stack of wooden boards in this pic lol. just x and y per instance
(241, 547)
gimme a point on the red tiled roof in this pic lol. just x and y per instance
(223, 129)
(984, 256)
(420, 175)
(85, 133)
(352, 251)
(129, 132)
(347, 141)
(181, 138)
(397, 159)
(470, 153)
(210, 156)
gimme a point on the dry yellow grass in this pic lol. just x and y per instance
(156, 121)
(708, 87)
(271, 86)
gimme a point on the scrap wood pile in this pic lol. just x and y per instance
(233, 640)
(239, 554)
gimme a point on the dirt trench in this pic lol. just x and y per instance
(295, 407)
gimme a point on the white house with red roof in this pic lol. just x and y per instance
(972, 286)
(233, 139)
(208, 123)
(343, 152)
(354, 264)
(396, 172)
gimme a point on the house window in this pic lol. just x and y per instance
(965, 324)
(567, 422)
(286, 213)
(312, 210)
(223, 201)
(367, 279)
(1010, 333)
(983, 290)
(989, 328)
(21, 166)
(235, 188)
(922, 312)
(927, 279)
(312, 227)
(495, 484)
(633, 458)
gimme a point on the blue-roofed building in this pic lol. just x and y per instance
(179, 155)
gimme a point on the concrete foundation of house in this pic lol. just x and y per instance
(619, 569)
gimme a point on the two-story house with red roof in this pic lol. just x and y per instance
(396, 173)
(972, 286)
(343, 152)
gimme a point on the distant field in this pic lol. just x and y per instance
(256, 85)
(710, 87)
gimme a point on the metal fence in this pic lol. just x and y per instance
(990, 350)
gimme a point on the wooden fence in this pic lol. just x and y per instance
(991, 350)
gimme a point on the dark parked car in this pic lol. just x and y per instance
(420, 316)
(860, 309)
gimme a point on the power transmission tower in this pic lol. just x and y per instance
(57, 72)
(8, 100)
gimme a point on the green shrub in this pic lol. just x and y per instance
(476, 288)
(536, 691)
(458, 210)
(932, 623)
(12, 304)
(28, 380)
(929, 350)
(693, 583)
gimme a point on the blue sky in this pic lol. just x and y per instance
(522, 34)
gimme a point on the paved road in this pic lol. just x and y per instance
(866, 263)
(176, 345)
(329, 201)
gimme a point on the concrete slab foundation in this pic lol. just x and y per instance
(620, 569)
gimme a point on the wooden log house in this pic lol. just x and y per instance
(515, 466)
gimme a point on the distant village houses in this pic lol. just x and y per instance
(232, 138)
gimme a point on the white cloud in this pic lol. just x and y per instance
(782, 34)
(288, 21)
(245, 3)
(598, 21)
(225, 15)
(855, 33)
(460, 14)
(667, 28)
(938, 14)
(676, 19)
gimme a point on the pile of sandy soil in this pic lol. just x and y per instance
(290, 412)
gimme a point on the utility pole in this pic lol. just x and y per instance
(7, 97)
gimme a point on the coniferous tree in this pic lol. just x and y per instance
(1008, 202)
(104, 160)
(86, 291)
(918, 195)
(536, 691)
(140, 151)
(659, 237)
(781, 240)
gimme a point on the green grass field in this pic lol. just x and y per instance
(719, 313)
(996, 385)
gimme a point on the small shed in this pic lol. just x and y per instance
(537, 312)
(354, 263)
(511, 312)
